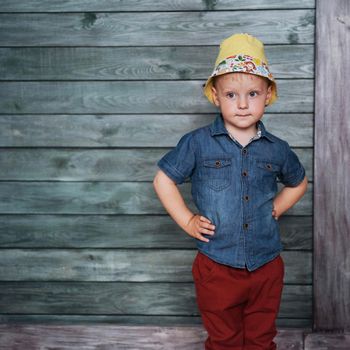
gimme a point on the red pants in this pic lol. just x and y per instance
(238, 307)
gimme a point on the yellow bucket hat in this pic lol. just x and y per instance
(241, 53)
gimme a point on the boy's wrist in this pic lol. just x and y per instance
(190, 219)
(185, 221)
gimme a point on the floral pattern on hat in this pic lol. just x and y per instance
(243, 63)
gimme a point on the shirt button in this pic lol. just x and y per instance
(217, 163)
(244, 173)
(246, 198)
(245, 226)
(244, 151)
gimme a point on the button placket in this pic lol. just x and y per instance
(245, 196)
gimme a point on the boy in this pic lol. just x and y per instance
(233, 164)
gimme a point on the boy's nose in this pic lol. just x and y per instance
(242, 103)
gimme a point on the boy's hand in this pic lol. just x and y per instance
(286, 198)
(199, 224)
(274, 213)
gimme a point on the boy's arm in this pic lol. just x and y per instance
(288, 197)
(172, 199)
(193, 224)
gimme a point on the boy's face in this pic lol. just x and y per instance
(241, 98)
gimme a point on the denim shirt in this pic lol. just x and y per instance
(234, 187)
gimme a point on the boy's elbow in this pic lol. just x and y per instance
(161, 177)
(303, 185)
(156, 179)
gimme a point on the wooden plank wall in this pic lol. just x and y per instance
(332, 194)
(92, 94)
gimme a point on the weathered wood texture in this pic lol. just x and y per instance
(332, 168)
(92, 165)
(154, 28)
(133, 97)
(92, 94)
(324, 341)
(149, 5)
(122, 231)
(99, 198)
(106, 265)
(132, 320)
(125, 298)
(131, 131)
(153, 63)
(48, 337)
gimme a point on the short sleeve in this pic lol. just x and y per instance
(292, 172)
(179, 162)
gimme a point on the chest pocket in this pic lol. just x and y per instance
(217, 173)
(267, 173)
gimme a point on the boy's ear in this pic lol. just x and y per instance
(268, 95)
(215, 96)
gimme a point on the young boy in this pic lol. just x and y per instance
(233, 164)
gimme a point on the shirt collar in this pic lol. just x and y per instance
(217, 127)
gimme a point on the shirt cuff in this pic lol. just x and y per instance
(296, 180)
(169, 170)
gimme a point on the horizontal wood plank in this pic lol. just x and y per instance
(327, 340)
(131, 265)
(114, 63)
(122, 231)
(154, 28)
(157, 320)
(134, 97)
(93, 165)
(100, 198)
(148, 5)
(83, 337)
(125, 299)
(143, 130)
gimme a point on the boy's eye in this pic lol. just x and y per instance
(253, 93)
(230, 94)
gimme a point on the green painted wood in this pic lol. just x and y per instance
(132, 265)
(132, 130)
(157, 320)
(94, 251)
(114, 63)
(85, 337)
(99, 198)
(134, 97)
(148, 5)
(133, 231)
(125, 299)
(154, 28)
(93, 165)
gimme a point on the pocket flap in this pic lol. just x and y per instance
(268, 165)
(217, 162)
